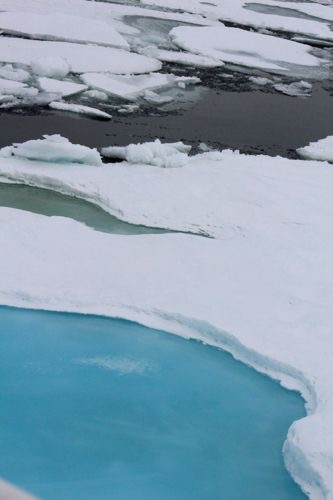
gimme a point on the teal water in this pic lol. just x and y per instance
(100, 409)
(50, 203)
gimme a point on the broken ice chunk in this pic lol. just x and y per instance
(154, 98)
(131, 87)
(65, 89)
(51, 66)
(172, 155)
(295, 89)
(319, 150)
(17, 74)
(80, 109)
(54, 149)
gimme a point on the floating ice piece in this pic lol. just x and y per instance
(128, 108)
(54, 149)
(17, 89)
(81, 58)
(260, 80)
(97, 95)
(80, 109)
(50, 66)
(183, 58)
(295, 89)
(245, 48)
(318, 150)
(17, 74)
(155, 153)
(154, 98)
(60, 26)
(131, 87)
(65, 89)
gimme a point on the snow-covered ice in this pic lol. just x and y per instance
(80, 109)
(172, 155)
(131, 87)
(295, 89)
(8, 72)
(81, 58)
(261, 288)
(260, 14)
(50, 66)
(61, 27)
(54, 149)
(318, 150)
(61, 87)
(245, 48)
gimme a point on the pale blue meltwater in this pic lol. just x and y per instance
(102, 409)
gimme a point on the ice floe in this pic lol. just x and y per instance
(155, 153)
(54, 149)
(54, 67)
(80, 109)
(245, 48)
(131, 87)
(262, 289)
(61, 27)
(81, 58)
(8, 72)
(295, 89)
(61, 87)
(318, 150)
(259, 14)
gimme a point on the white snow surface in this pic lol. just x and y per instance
(63, 27)
(54, 149)
(318, 150)
(81, 58)
(245, 48)
(261, 288)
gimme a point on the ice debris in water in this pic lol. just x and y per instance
(96, 95)
(54, 149)
(319, 150)
(295, 89)
(63, 88)
(51, 66)
(154, 98)
(260, 80)
(17, 74)
(80, 109)
(171, 155)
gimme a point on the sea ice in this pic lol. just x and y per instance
(154, 98)
(295, 89)
(96, 95)
(17, 89)
(318, 150)
(131, 87)
(63, 88)
(54, 149)
(50, 66)
(80, 109)
(61, 27)
(245, 48)
(151, 153)
(81, 58)
(8, 72)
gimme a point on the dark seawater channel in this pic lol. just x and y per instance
(250, 120)
(96, 408)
